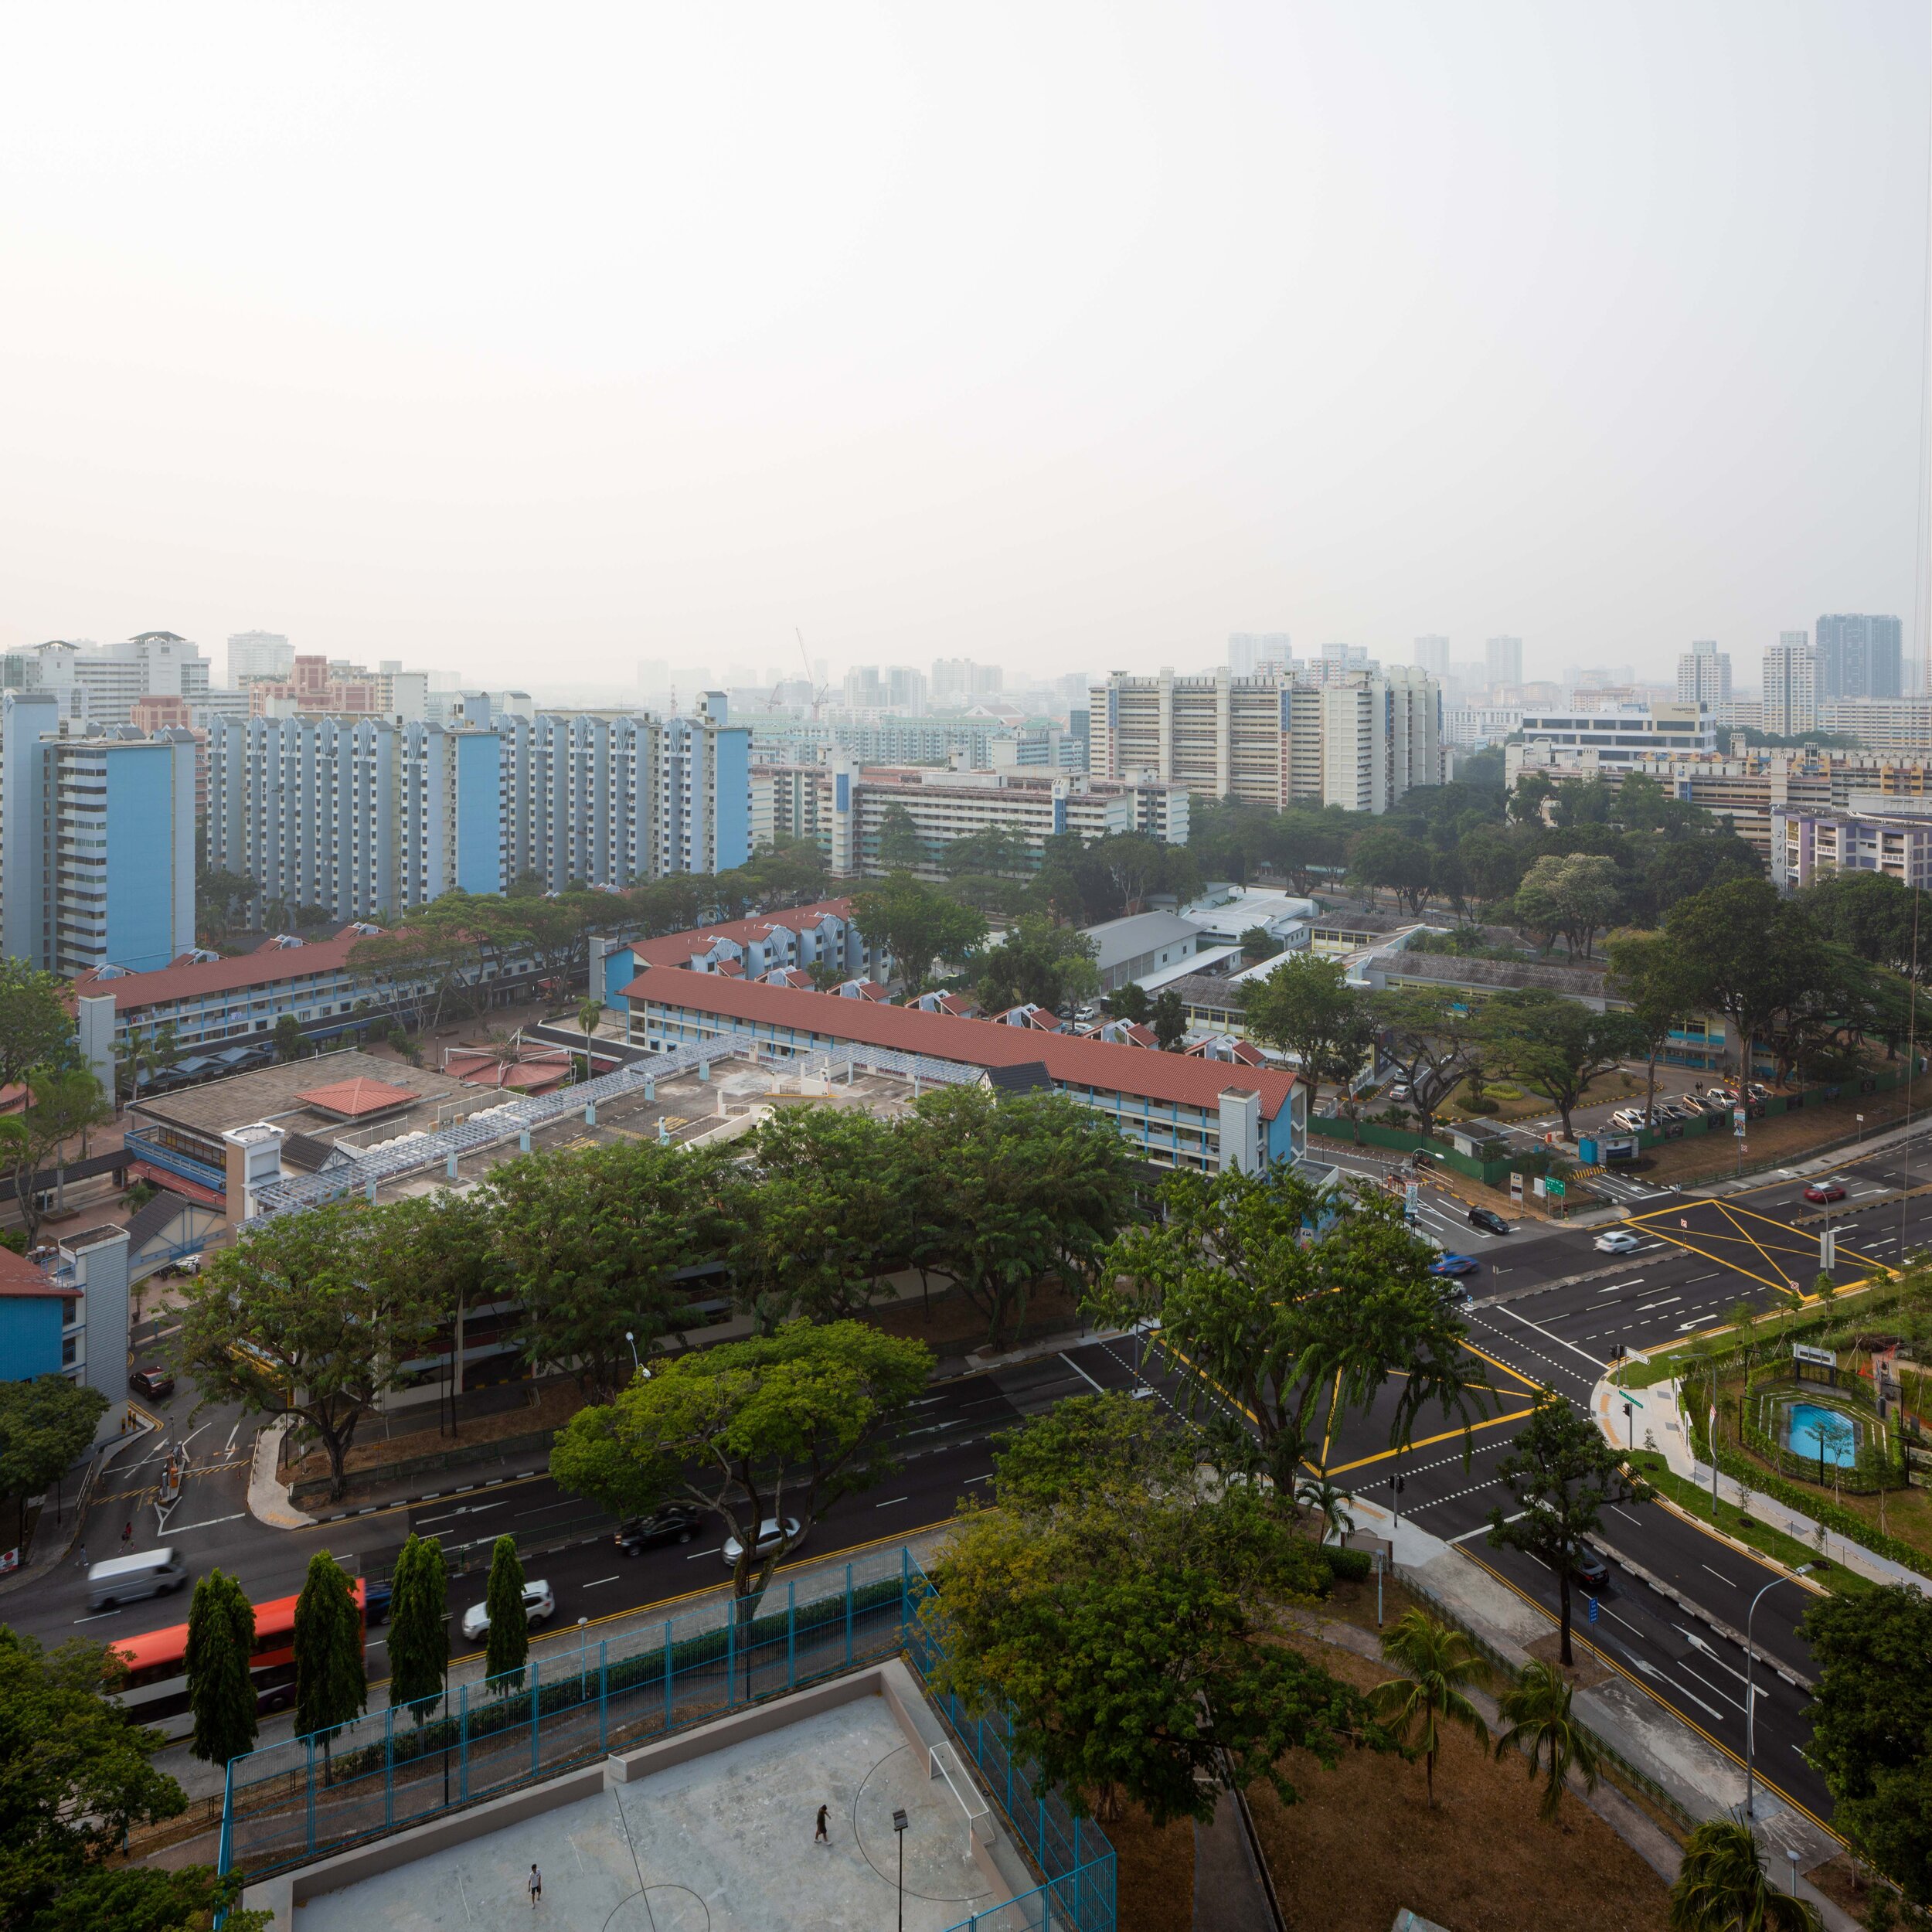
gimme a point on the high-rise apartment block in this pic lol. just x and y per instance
(1704, 675)
(1790, 685)
(961, 678)
(1250, 651)
(370, 817)
(1432, 657)
(97, 840)
(1859, 657)
(1502, 658)
(1361, 739)
(99, 682)
(258, 653)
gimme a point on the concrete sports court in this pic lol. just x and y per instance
(708, 1832)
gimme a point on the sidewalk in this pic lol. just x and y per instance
(53, 1545)
(1703, 1781)
(1664, 1429)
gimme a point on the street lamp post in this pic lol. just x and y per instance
(899, 1832)
(1750, 1701)
(632, 1339)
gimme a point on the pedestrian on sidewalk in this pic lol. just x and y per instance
(83, 1556)
(536, 1886)
(126, 1535)
(819, 1836)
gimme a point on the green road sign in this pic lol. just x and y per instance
(1553, 1187)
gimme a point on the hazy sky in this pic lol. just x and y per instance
(531, 342)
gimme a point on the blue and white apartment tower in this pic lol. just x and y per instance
(97, 840)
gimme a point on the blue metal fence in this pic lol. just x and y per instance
(291, 1802)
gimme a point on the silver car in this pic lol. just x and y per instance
(540, 1605)
(768, 1540)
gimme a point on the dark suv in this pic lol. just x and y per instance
(1489, 1220)
(676, 1522)
(1588, 1569)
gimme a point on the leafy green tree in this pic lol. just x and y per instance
(332, 1683)
(1383, 857)
(1536, 1710)
(143, 1898)
(508, 1642)
(900, 847)
(1436, 1660)
(45, 1426)
(293, 1320)
(819, 1214)
(594, 1241)
(589, 1016)
(764, 1431)
(1006, 1191)
(1307, 1008)
(1038, 961)
(221, 1690)
(1721, 1886)
(1872, 1726)
(1257, 943)
(1561, 1475)
(1556, 1046)
(1433, 1041)
(440, 1252)
(75, 1775)
(1491, 864)
(916, 925)
(1301, 1305)
(290, 1042)
(1119, 1604)
(62, 1102)
(1662, 986)
(35, 1027)
(988, 852)
(419, 1634)
(1130, 1003)
(1169, 1018)
(1576, 894)
(1752, 953)
(1136, 865)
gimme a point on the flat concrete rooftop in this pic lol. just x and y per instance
(720, 1842)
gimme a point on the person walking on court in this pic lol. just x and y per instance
(819, 1837)
(536, 1886)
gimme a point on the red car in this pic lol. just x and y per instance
(1825, 1191)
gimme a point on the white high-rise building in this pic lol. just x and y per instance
(100, 681)
(1503, 660)
(1790, 685)
(1355, 737)
(258, 653)
(961, 678)
(1432, 656)
(1704, 675)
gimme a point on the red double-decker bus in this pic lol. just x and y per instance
(155, 1688)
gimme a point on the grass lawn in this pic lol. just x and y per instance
(1154, 1873)
(1362, 1844)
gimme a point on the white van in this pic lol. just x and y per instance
(126, 1580)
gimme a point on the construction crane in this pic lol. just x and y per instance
(819, 692)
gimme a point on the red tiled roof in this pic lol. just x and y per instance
(353, 1098)
(675, 948)
(270, 966)
(19, 1276)
(970, 1042)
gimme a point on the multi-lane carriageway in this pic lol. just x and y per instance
(1548, 1308)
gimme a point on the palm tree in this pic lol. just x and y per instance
(1330, 1503)
(1721, 1886)
(589, 1012)
(1436, 1660)
(1536, 1709)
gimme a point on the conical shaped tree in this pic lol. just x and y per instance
(1536, 1708)
(419, 1637)
(1436, 1660)
(331, 1685)
(1721, 1886)
(509, 1638)
(221, 1693)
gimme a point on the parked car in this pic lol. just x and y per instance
(1399, 1091)
(157, 1384)
(540, 1605)
(1629, 1119)
(1489, 1220)
(676, 1522)
(1826, 1190)
(1616, 1241)
(768, 1540)
(1452, 1264)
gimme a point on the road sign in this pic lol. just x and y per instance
(1554, 1187)
(1827, 1249)
(1592, 1610)
(1818, 1357)
(1515, 1185)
